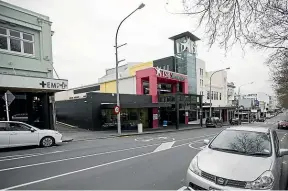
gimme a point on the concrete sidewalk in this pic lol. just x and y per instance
(72, 133)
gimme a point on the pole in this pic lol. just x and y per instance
(117, 63)
(238, 103)
(210, 96)
(7, 107)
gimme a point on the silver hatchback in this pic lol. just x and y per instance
(238, 158)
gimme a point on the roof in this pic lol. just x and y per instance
(251, 128)
(184, 34)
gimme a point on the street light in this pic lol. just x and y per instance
(210, 96)
(239, 95)
(117, 63)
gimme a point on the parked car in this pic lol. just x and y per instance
(16, 134)
(213, 122)
(283, 124)
(229, 163)
(235, 121)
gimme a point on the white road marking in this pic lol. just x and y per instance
(182, 188)
(164, 146)
(202, 147)
(190, 145)
(81, 170)
(7, 158)
(72, 158)
(85, 156)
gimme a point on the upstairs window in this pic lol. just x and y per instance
(16, 41)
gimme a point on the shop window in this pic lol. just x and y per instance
(219, 96)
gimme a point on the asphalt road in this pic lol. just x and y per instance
(154, 162)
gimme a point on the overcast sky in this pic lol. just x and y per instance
(85, 30)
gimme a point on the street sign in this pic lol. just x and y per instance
(10, 97)
(116, 109)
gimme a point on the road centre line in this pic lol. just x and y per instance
(85, 169)
(29, 155)
(55, 152)
(85, 156)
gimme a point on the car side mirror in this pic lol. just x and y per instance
(206, 141)
(283, 152)
(33, 130)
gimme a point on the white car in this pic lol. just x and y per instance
(16, 134)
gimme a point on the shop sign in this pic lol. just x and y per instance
(168, 74)
(155, 116)
(53, 85)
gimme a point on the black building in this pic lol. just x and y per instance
(95, 112)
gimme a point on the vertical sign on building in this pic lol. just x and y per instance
(185, 58)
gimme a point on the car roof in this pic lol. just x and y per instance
(251, 128)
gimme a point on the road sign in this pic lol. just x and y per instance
(116, 109)
(10, 97)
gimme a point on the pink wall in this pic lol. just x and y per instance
(149, 74)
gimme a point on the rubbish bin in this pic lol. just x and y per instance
(140, 128)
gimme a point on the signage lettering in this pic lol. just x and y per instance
(53, 85)
(168, 74)
(185, 44)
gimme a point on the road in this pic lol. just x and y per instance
(154, 162)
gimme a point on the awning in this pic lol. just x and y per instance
(135, 105)
(29, 83)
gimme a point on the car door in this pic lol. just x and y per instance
(278, 160)
(4, 135)
(21, 135)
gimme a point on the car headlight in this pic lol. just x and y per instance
(265, 181)
(194, 166)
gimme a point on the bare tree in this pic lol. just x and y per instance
(262, 24)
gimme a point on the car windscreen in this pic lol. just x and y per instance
(243, 142)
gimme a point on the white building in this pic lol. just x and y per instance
(218, 85)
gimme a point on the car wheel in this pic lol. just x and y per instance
(47, 142)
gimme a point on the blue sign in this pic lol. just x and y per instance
(256, 103)
(165, 123)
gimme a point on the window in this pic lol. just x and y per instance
(3, 126)
(16, 41)
(244, 142)
(216, 96)
(18, 127)
(208, 95)
(219, 96)
(212, 95)
(201, 71)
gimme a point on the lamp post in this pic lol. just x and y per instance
(210, 96)
(117, 63)
(239, 96)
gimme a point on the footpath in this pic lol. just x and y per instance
(73, 133)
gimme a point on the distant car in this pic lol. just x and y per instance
(17, 134)
(283, 124)
(262, 119)
(238, 158)
(213, 122)
(235, 121)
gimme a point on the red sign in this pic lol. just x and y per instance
(168, 74)
(116, 110)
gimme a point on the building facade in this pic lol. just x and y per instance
(26, 66)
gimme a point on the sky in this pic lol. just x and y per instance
(85, 35)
